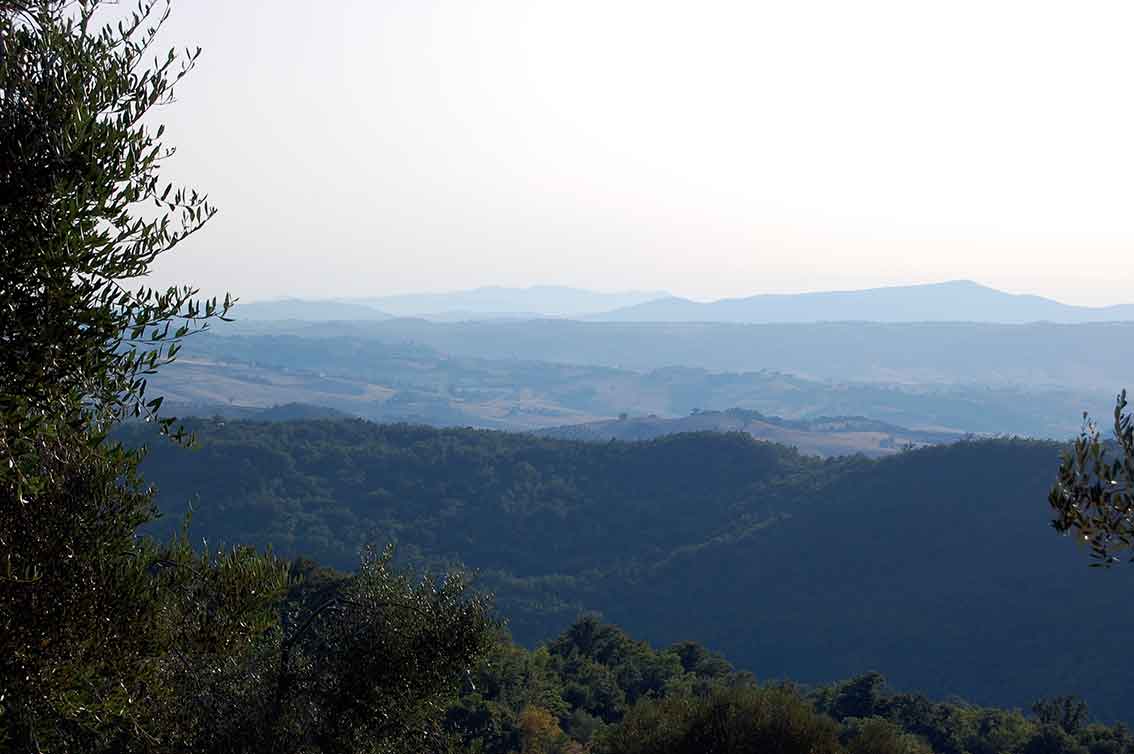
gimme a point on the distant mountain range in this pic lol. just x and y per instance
(498, 302)
(952, 301)
(822, 436)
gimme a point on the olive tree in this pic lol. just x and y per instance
(1093, 496)
(83, 216)
(109, 642)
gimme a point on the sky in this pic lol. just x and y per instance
(708, 148)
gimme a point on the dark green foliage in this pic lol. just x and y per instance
(216, 617)
(730, 721)
(367, 662)
(1067, 712)
(1058, 724)
(860, 697)
(107, 642)
(875, 735)
(83, 618)
(508, 681)
(1093, 497)
(370, 667)
(728, 712)
(589, 647)
(583, 679)
(1051, 739)
(75, 622)
(446, 492)
(934, 567)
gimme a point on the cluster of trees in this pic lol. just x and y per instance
(596, 689)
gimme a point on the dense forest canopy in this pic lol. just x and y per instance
(937, 566)
(594, 686)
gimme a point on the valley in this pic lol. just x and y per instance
(389, 378)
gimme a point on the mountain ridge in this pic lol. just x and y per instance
(952, 301)
(949, 301)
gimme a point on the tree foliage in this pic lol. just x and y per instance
(726, 721)
(82, 215)
(108, 641)
(371, 664)
(534, 701)
(84, 212)
(1093, 496)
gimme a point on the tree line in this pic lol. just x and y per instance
(594, 688)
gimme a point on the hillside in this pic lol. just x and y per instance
(936, 567)
(953, 301)
(823, 436)
(376, 379)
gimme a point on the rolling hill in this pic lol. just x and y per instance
(376, 379)
(1093, 356)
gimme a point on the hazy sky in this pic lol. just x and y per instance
(707, 148)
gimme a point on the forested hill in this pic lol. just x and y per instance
(495, 500)
(936, 567)
(824, 435)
